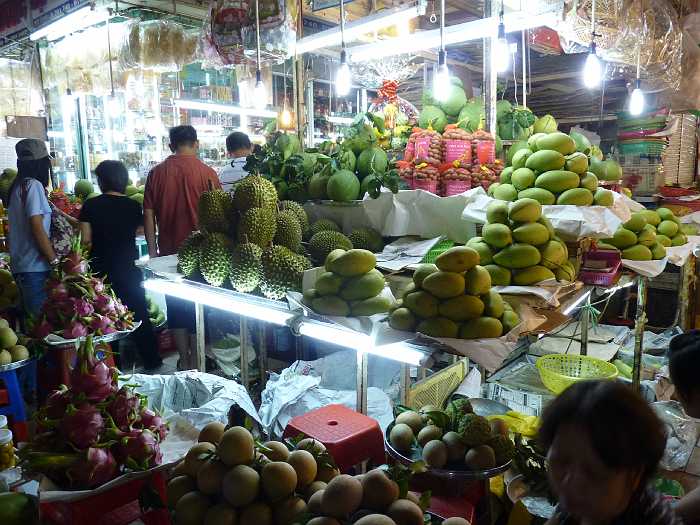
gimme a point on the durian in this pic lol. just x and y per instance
(300, 213)
(367, 239)
(214, 262)
(189, 254)
(215, 209)
(324, 242)
(323, 225)
(255, 191)
(288, 230)
(258, 225)
(282, 271)
(246, 267)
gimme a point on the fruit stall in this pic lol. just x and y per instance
(454, 211)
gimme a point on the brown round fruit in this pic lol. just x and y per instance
(305, 466)
(410, 496)
(498, 426)
(456, 521)
(378, 491)
(342, 496)
(220, 514)
(401, 437)
(480, 458)
(326, 473)
(375, 519)
(196, 456)
(236, 447)
(311, 445)
(179, 470)
(435, 454)
(212, 432)
(241, 486)
(314, 487)
(278, 451)
(210, 476)
(405, 512)
(412, 419)
(287, 511)
(323, 520)
(257, 513)
(455, 448)
(278, 479)
(261, 459)
(191, 509)
(428, 433)
(178, 487)
(314, 503)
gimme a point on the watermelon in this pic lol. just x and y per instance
(83, 188)
(343, 186)
(373, 155)
(434, 117)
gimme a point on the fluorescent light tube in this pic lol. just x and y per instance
(353, 30)
(224, 108)
(75, 21)
(455, 34)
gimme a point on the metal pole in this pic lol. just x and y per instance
(640, 320)
(200, 336)
(262, 353)
(405, 384)
(585, 313)
(361, 383)
(245, 377)
(524, 61)
(490, 74)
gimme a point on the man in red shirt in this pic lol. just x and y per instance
(170, 203)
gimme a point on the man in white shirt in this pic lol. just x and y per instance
(238, 147)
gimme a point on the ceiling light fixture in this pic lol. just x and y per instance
(343, 77)
(636, 101)
(259, 93)
(441, 75)
(500, 54)
(592, 70)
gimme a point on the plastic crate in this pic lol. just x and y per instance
(436, 250)
(601, 277)
(435, 389)
(349, 436)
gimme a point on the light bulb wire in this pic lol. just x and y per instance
(442, 26)
(342, 25)
(257, 37)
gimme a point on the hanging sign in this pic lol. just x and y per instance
(319, 5)
(13, 21)
(46, 11)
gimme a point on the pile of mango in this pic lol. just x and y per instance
(350, 286)
(453, 298)
(518, 245)
(646, 235)
(555, 169)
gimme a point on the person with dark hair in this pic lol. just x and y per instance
(604, 444)
(172, 193)
(29, 212)
(684, 369)
(238, 147)
(108, 224)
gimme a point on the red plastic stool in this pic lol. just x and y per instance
(349, 436)
(116, 506)
(451, 507)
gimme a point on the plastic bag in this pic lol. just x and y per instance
(682, 434)
(157, 45)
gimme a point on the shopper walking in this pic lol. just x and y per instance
(604, 444)
(108, 224)
(170, 203)
(29, 213)
(238, 147)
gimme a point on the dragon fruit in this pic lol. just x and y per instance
(74, 263)
(82, 426)
(124, 408)
(101, 324)
(97, 285)
(94, 467)
(58, 291)
(74, 330)
(91, 376)
(154, 422)
(105, 304)
(43, 329)
(57, 402)
(140, 450)
(82, 307)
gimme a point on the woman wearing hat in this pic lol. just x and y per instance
(29, 213)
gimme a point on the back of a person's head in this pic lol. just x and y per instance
(237, 141)
(112, 175)
(182, 136)
(39, 169)
(622, 427)
(684, 361)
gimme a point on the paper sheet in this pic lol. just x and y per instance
(679, 255)
(405, 252)
(547, 290)
(562, 345)
(165, 267)
(691, 218)
(570, 222)
(646, 268)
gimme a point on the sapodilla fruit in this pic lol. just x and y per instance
(305, 466)
(194, 459)
(405, 512)
(257, 513)
(278, 451)
(236, 447)
(314, 503)
(342, 496)
(191, 508)
(212, 432)
(241, 486)
(210, 476)
(279, 480)
(312, 445)
(378, 491)
(178, 487)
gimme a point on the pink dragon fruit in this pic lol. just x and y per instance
(124, 408)
(97, 285)
(140, 450)
(82, 307)
(94, 467)
(74, 263)
(91, 376)
(82, 426)
(43, 329)
(74, 330)
(154, 422)
(105, 304)
(57, 402)
(101, 323)
(57, 290)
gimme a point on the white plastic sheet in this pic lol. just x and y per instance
(646, 268)
(405, 252)
(679, 255)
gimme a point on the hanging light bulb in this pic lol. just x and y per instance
(259, 92)
(441, 79)
(636, 103)
(343, 77)
(593, 69)
(501, 49)
(284, 119)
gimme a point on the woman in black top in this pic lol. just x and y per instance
(604, 445)
(108, 224)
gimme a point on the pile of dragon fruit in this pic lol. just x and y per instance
(78, 303)
(94, 431)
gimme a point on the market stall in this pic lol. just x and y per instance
(455, 212)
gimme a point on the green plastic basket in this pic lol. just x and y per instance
(436, 250)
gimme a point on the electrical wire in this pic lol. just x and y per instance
(257, 29)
